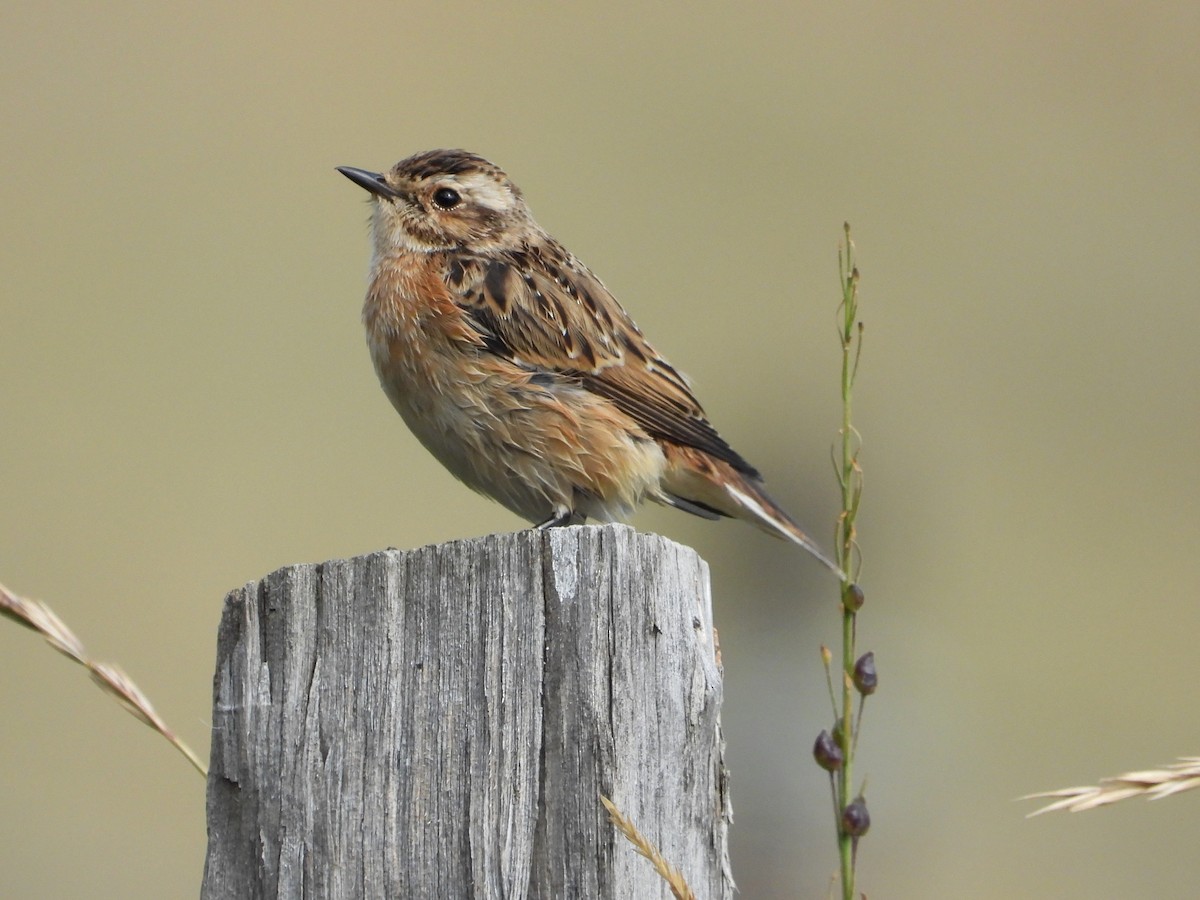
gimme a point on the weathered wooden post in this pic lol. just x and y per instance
(441, 723)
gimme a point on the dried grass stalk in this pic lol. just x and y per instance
(1153, 784)
(668, 873)
(41, 618)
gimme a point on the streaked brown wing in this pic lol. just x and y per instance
(544, 310)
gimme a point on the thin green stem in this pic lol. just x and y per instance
(850, 481)
(858, 724)
(827, 659)
(846, 773)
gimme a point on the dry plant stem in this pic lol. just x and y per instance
(672, 876)
(850, 480)
(41, 618)
(1153, 784)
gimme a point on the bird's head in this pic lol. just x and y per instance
(441, 200)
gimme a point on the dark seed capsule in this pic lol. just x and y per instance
(856, 821)
(853, 598)
(827, 753)
(865, 678)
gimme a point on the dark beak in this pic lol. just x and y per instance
(372, 181)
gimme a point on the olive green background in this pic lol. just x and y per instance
(186, 401)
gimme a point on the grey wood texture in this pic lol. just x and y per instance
(441, 722)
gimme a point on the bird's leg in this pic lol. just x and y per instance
(559, 518)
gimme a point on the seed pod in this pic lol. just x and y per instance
(856, 821)
(865, 678)
(853, 598)
(827, 753)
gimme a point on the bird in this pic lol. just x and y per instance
(514, 365)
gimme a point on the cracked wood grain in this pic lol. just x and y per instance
(441, 722)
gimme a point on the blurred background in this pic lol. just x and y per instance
(187, 403)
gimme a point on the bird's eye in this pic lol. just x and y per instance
(446, 198)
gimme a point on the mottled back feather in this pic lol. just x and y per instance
(543, 309)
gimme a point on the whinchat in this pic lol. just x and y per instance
(515, 367)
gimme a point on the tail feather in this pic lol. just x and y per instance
(764, 512)
(699, 480)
